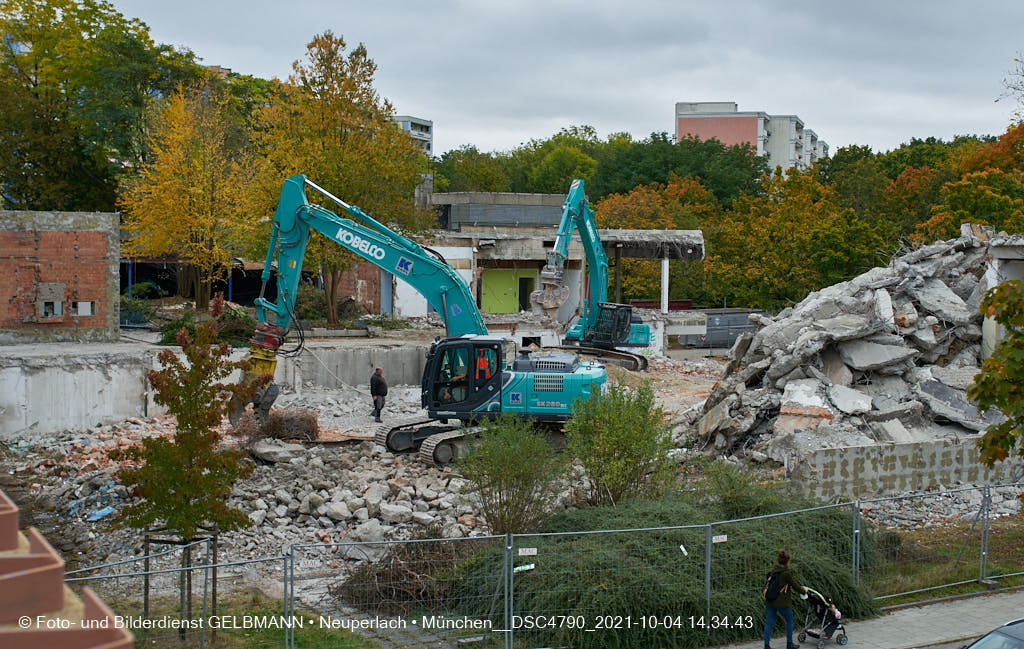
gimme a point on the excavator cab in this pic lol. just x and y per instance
(462, 376)
(612, 327)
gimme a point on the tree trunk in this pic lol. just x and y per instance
(332, 278)
(200, 289)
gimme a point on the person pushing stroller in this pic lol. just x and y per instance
(777, 595)
(826, 618)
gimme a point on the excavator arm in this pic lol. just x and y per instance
(294, 220)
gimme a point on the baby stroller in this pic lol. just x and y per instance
(824, 616)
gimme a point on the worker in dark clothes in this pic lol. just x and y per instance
(783, 604)
(378, 390)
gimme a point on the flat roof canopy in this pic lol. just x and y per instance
(655, 244)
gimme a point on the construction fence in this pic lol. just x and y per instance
(679, 586)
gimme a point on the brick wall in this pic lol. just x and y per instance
(362, 283)
(58, 276)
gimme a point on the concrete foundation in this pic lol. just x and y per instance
(887, 469)
(55, 387)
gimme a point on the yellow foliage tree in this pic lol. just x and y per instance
(329, 123)
(184, 203)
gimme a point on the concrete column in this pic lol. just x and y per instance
(664, 284)
(618, 274)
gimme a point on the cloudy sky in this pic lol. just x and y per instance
(498, 73)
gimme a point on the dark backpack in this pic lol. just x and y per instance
(772, 587)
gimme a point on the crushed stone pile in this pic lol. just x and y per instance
(884, 357)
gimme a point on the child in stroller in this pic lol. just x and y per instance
(825, 617)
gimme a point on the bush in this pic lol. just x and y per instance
(621, 439)
(513, 471)
(310, 303)
(646, 573)
(728, 492)
(135, 311)
(186, 323)
(386, 321)
(146, 290)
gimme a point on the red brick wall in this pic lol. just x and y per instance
(362, 283)
(728, 130)
(76, 259)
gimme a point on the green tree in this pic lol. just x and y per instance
(1000, 384)
(77, 80)
(186, 202)
(727, 171)
(621, 439)
(466, 169)
(860, 186)
(329, 123)
(772, 249)
(515, 495)
(185, 482)
(559, 167)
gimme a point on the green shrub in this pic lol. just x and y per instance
(310, 303)
(386, 321)
(728, 492)
(169, 331)
(146, 290)
(513, 471)
(235, 326)
(621, 439)
(135, 311)
(647, 573)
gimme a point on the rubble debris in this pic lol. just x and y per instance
(884, 357)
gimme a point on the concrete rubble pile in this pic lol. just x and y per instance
(884, 357)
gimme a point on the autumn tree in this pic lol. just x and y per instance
(1000, 383)
(185, 203)
(770, 250)
(681, 204)
(76, 81)
(185, 482)
(329, 123)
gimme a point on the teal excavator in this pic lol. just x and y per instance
(603, 327)
(465, 377)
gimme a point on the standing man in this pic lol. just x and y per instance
(378, 390)
(778, 599)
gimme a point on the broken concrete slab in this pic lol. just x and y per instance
(885, 408)
(273, 450)
(846, 327)
(848, 400)
(955, 377)
(835, 369)
(938, 299)
(892, 430)
(865, 356)
(952, 404)
(884, 311)
(715, 417)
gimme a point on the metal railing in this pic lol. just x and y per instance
(677, 586)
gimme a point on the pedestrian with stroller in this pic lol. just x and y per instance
(378, 390)
(777, 595)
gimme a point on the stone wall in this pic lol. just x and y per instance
(58, 276)
(888, 469)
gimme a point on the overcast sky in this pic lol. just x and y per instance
(498, 73)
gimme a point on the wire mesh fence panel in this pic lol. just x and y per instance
(418, 593)
(820, 544)
(922, 543)
(1004, 556)
(639, 588)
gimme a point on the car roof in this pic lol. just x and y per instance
(1013, 629)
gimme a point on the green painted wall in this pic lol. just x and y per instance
(499, 289)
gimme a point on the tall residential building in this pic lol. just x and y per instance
(781, 138)
(421, 130)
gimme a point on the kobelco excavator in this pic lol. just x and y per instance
(465, 377)
(603, 326)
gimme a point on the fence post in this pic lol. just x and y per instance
(986, 504)
(855, 562)
(707, 575)
(145, 578)
(506, 576)
(289, 630)
(284, 594)
(206, 584)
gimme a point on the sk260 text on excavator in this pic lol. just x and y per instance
(465, 377)
(603, 326)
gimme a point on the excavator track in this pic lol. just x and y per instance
(443, 448)
(630, 361)
(407, 434)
